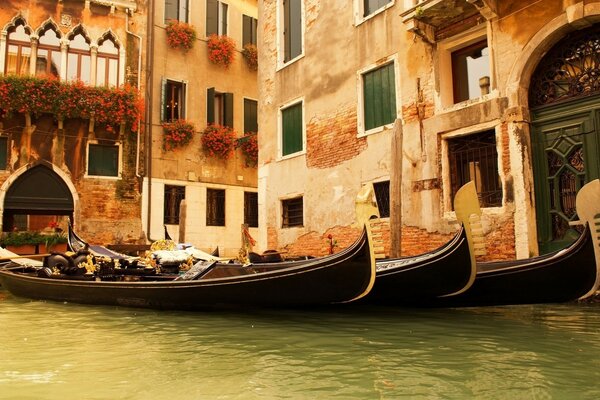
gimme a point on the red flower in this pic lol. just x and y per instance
(218, 141)
(221, 50)
(177, 134)
(180, 35)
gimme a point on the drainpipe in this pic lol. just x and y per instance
(139, 75)
(148, 117)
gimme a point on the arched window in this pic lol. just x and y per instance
(79, 58)
(107, 63)
(48, 54)
(18, 50)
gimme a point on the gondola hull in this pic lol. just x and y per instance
(412, 280)
(563, 276)
(342, 277)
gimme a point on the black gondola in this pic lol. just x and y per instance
(566, 275)
(342, 277)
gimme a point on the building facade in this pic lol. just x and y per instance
(501, 93)
(218, 192)
(64, 67)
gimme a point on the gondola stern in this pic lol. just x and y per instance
(373, 266)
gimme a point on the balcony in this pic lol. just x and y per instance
(433, 20)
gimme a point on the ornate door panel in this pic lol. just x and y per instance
(565, 157)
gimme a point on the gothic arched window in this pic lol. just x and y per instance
(107, 63)
(79, 58)
(18, 49)
(48, 54)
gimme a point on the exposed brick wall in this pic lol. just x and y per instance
(499, 242)
(316, 244)
(332, 140)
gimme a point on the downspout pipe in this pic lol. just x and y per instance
(149, 89)
(139, 78)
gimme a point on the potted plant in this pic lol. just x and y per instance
(249, 146)
(28, 242)
(177, 134)
(250, 53)
(180, 35)
(218, 141)
(221, 50)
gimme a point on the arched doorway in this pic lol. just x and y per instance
(37, 196)
(564, 98)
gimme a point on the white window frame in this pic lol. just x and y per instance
(444, 71)
(119, 162)
(280, 42)
(284, 106)
(359, 11)
(187, 17)
(360, 112)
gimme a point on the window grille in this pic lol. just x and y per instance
(251, 209)
(475, 158)
(293, 212)
(215, 207)
(382, 194)
(173, 197)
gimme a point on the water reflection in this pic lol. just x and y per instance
(56, 351)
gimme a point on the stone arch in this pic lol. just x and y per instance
(575, 17)
(16, 19)
(49, 23)
(49, 179)
(77, 30)
(110, 35)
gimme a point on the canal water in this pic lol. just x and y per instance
(68, 351)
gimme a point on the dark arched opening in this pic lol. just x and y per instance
(35, 198)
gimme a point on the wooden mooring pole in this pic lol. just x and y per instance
(396, 191)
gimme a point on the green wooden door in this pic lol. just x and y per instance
(565, 157)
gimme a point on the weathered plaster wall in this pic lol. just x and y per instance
(106, 210)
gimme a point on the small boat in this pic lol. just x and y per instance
(562, 276)
(343, 277)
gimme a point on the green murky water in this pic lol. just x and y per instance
(68, 351)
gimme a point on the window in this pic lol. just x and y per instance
(250, 115)
(470, 68)
(219, 108)
(48, 55)
(107, 63)
(18, 50)
(292, 29)
(370, 6)
(216, 18)
(475, 158)
(78, 57)
(249, 30)
(382, 194)
(173, 197)
(3, 152)
(291, 129)
(293, 212)
(215, 207)
(379, 97)
(103, 160)
(251, 209)
(177, 10)
(173, 100)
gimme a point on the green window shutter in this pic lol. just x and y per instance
(212, 17)
(291, 123)
(250, 115)
(246, 30)
(183, 100)
(224, 18)
(228, 109)
(253, 36)
(3, 152)
(379, 94)
(103, 160)
(163, 100)
(210, 106)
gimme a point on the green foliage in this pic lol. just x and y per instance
(33, 238)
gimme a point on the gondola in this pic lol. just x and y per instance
(562, 276)
(447, 271)
(343, 277)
